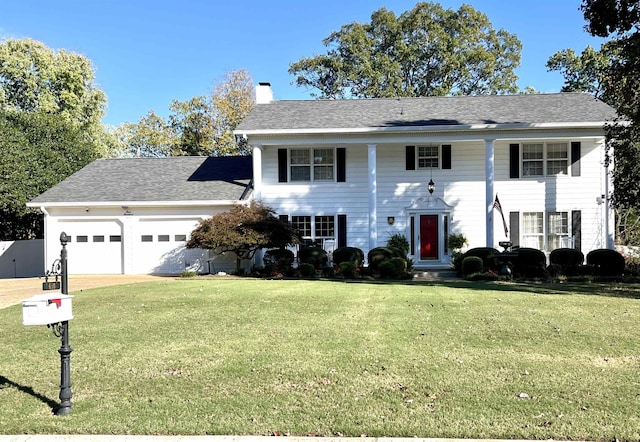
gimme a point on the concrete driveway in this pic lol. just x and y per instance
(13, 291)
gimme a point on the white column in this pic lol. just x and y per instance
(489, 154)
(257, 172)
(373, 210)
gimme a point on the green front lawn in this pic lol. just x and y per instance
(245, 356)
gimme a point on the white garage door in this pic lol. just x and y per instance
(159, 247)
(95, 247)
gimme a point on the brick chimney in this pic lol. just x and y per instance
(264, 94)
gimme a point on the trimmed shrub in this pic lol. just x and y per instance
(315, 256)
(569, 260)
(348, 254)
(347, 269)
(307, 269)
(606, 262)
(279, 257)
(530, 263)
(400, 265)
(387, 269)
(379, 255)
(486, 254)
(400, 242)
(471, 265)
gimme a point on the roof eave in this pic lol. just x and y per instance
(435, 128)
(107, 204)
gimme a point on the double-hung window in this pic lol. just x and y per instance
(314, 230)
(557, 229)
(540, 159)
(428, 157)
(312, 164)
(533, 230)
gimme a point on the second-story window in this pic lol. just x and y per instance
(312, 164)
(428, 157)
(540, 159)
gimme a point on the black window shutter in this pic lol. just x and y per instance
(342, 230)
(282, 165)
(576, 229)
(411, 158)
(341, 164)
(575, 158)
(514, 161)
(446, 156)
(514, 228)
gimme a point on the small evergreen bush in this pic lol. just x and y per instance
(348, 254)
(307, 270)
(347, 269)
(471, 265)
(530, 263)
(378, 255)
(569, 260)
(315, 256)
(606, 262)
(400, 242)
(486, 254)
(387, 269)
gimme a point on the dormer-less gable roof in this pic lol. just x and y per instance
(525, 110)
(153, 180)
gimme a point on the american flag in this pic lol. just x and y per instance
(497, 205)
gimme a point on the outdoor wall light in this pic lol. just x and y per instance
(431, 186)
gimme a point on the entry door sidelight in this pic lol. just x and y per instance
(429, 237)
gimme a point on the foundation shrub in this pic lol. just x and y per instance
(486, 254)
(348, 254)
(307, 270)
(379, 255)
(471, 265)
(315, 256)
(569, 260)
(530, 263)
(606, 262)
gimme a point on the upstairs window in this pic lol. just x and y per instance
(540, 159)
(312, 164)
(428, 157)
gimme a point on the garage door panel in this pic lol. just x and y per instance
(95, 247)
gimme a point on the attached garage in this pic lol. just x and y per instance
(135, 215)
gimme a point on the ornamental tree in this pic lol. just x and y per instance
(243, 230)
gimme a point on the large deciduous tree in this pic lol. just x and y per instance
(37, 150)
(426, 51)
(202, 125)
(243, 230)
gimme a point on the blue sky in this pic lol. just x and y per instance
(148, 52)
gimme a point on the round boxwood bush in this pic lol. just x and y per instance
(348, 254)
(388, 269)
(569, 260)
(315, 256)
(279, 257)
(347, 269)
(307, 269)
(531, 263)
(471, 265)
(486, 254)
(606, 262)
(378, 255)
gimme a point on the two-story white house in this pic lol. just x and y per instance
(353, 172)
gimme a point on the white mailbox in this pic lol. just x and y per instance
(46, 308)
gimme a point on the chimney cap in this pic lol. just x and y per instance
(264, 83)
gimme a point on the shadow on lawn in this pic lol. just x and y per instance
(614, 290)
(4, 382)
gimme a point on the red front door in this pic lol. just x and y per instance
(428, 237)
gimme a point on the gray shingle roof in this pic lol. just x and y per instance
(154, 179)
(427, 111)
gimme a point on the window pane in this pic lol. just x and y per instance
(180, 238)
(532, 168)
(558, 228)
(323, 173)
(115, 238)
(146, 238)
(324, 226)
(558, 167)
(302, 224)
(98, 238)
(428, 157)
(300, 156)
(532, 151)
(557, 150)
(163, 238)
(300, 173)
(532, 230)
(82, 238)
(323, 156)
